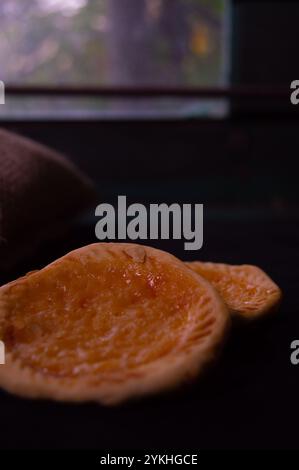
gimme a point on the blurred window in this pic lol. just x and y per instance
(117, 43)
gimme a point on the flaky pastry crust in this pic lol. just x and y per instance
(246, 289)
(108, 322)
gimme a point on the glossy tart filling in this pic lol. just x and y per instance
(98, 316)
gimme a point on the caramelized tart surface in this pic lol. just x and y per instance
(106, 322)
(247, 290)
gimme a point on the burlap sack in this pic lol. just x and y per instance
(40, 191)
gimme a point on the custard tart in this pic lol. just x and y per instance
(108, 322)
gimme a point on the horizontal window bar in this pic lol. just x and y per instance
(247, 92)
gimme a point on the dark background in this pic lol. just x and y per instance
(245, 170)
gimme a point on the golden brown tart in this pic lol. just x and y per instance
(247, 290)
(107, 322)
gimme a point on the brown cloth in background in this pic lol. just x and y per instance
(40, 191)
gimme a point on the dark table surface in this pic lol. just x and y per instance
(247, 399)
